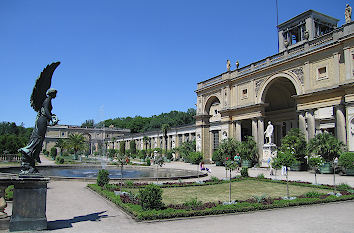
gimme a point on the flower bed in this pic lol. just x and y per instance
(130, 204)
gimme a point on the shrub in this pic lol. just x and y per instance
(196, 157)
(346, 160)
(102, 177)
(129, 183)
(343, 186)
(244, 172)
(148, 162)
(313, 194)
(112, 153)
(261, 176)
(9, 193)
(214, 179)
(326, 145)
(53, 152)
(193, 203)
(59, 160)
(142, 154)
(151, 197)
(169, 154)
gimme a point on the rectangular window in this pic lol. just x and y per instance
(322, 73)
(244, 94)
(216, 140)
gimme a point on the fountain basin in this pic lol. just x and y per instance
(89, 172)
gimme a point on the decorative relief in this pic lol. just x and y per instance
(258, 84)
(299, 72)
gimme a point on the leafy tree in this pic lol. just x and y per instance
(146, 140)
(88, 123)
(76, 142)
(122, 147)
(10, 143)
(295, 139)
(316, 161)
(164, 129)
(61, 145)
(121, 160)
(53, 152)
(132, 145)
(326, 145)
(285, 158)
(248, 149)
(186, 149)
(112, 153)
(230, 165)
(227, 148)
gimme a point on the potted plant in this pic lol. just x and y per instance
(295, 139)
(346, 161)
(329, 147)
(248, 152)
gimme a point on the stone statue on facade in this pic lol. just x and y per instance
(237, 64)
(348, 14)
(199, 143)
(228, 65)
(41, 102)
(269, 132)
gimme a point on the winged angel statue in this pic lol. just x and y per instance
(41, 102)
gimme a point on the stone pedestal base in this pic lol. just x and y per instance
(4, 223)
(269, 152)
(29, 204)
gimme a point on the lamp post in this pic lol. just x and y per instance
(335, 162)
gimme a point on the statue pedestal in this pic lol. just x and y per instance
(29, 204)
(269, 152)
(4, 223)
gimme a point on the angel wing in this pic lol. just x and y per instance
(41, 86)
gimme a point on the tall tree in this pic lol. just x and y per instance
(164, 129)
(76, 142)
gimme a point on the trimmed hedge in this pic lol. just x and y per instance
(139, 214)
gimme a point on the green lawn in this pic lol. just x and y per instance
(241, 190)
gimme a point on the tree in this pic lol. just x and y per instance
(287, 159)
(295, 139)
(76, 142)
(122, 147)
(326, 145)
(121, 160)
(186, 149)
(230, 165)
(88, 123)
(316, 161)
(165, 128)
(159, 161)
(61, 145)
(248, 149)
(227, 148)
(146, 141)
(132, 145)
(112, 153)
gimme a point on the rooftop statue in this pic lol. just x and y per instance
(228, 65)
(348, 14)
(41, 102)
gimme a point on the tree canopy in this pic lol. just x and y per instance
(140, 124)
(13, 137)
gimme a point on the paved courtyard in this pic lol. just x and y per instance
(71, 207)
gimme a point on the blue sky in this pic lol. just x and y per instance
(136, 57)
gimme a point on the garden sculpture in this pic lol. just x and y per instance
(269, 132)
(41, 102)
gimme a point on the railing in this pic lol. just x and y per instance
(294, 51)
(10, 157)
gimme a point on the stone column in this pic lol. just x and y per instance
(311, 124)
(260, 137)
(302, 123)
(288, 126)
(238, 130)
(348, 63)
(254, 129)
(340, 124)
